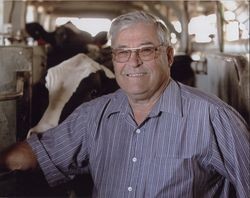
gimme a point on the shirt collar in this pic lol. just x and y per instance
(169, 102)
(119, 103)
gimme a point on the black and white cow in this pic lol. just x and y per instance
(72, 82)
(64, 43)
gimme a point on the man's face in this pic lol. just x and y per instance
(141, 79)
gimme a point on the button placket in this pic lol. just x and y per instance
(135, 156)
(138, 131)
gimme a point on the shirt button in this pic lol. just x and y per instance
(134, 159)
(138, 131)
(130, 189)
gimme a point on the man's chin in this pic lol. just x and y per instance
(138, 95)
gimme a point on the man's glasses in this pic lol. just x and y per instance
(146, 53)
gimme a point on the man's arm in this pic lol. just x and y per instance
(18, 157)
(231, 152)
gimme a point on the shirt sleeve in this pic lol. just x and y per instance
(62, 151)
(230, 154)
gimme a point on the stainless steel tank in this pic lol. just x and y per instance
(20, 68)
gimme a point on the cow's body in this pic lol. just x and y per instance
(74, 81)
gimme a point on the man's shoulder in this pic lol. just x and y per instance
(195, 95)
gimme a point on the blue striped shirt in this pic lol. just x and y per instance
(191, 145)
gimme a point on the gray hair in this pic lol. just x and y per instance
(125, 20)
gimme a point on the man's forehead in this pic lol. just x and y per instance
(135, 35)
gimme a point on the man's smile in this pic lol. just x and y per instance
(136, 74)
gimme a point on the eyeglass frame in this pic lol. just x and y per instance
(137, 51)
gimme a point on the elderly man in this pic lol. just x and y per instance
(154, 137)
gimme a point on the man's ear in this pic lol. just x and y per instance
(170, 55)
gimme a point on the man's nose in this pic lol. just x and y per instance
(135, 59)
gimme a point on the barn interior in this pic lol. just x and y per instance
(210, 39)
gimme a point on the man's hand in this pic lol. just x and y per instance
(18, 157)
